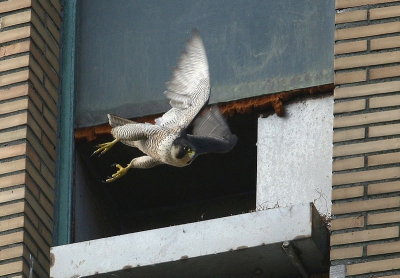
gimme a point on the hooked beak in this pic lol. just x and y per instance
(191, 154)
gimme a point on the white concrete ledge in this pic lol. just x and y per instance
(248, 242)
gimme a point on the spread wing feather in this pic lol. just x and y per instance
(189, 87)
(211, 133)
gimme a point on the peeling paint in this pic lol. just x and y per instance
(127, 268)
(52, 259)
(275, 101)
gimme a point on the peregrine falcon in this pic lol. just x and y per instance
(167, 141)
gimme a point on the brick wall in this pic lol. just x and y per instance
(29, 53)
(366, 152)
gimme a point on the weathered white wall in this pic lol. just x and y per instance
(294, 160)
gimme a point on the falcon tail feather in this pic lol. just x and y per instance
(118, 121)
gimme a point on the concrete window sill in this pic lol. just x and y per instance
(246, 245)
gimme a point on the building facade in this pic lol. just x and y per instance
(364, 180)
(30, 55)
(365, 174)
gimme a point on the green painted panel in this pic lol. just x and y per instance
(127, 49)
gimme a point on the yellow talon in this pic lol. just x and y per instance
(102, 148)
(122, 171)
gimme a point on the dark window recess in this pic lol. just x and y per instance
(214, 185)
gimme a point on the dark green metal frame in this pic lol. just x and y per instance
(65, 133)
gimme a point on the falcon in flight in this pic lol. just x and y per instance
(167, 141)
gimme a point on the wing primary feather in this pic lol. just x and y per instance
(211, 124)
(189, 87)
(211, 133)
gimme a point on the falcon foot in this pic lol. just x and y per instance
(121, 171)
(102, 148)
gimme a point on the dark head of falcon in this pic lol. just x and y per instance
(183, 150)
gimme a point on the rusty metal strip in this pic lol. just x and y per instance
(242, 106)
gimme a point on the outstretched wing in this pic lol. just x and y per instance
(211, 133)
(189, 88)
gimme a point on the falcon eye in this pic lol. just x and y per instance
(185, 149)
